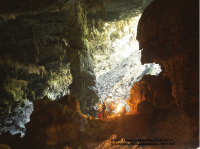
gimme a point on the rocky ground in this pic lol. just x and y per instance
(134, 130)
(148, 128)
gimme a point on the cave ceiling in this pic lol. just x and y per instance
(117, 9)
(36, 22)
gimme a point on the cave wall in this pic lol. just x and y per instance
(83, 86)
(168, 35)
(44, 48)
(152, 89)
(33, 63)
(35, 42)
(54, 123)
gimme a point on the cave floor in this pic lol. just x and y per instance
(130, 127)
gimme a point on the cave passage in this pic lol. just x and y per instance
(117, 59)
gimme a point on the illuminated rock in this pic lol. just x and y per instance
(152, 89)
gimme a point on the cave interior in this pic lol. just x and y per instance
(60, 59)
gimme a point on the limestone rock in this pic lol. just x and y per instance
(13, 141)
(168, 35)
(53, 123)
(70, 102)
(116, 57)
(145, 107)
(176, 126)
(21, 83)
(152, 89)
(34, 32)
(3, 146)
(14, 115)
(33, 56)
(82, 70)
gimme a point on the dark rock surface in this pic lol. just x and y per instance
(145, 107)
(53, 123)
(168, 35)
(177, 126)
(14, 141)
(44, 49)
(172, 127)
(30, 67)
(3, 146)
(83, 86)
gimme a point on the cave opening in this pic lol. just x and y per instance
(117, 59)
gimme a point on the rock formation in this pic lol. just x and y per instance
(168, 36)
(176, 126)
(54, 123)
(83, 86)
(27, 71)
(153, 89)
(3, 146)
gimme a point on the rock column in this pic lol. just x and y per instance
(83, 86)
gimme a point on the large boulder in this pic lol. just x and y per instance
(54, 123)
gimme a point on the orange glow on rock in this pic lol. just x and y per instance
(119, 107)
